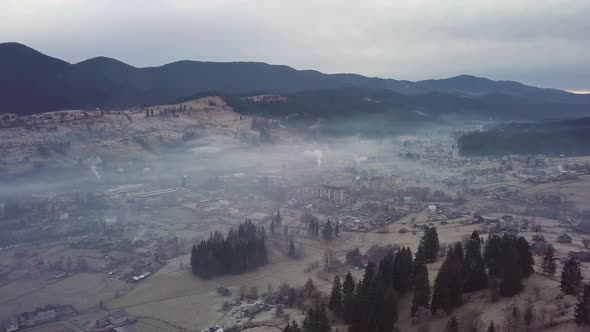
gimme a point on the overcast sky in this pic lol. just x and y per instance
(538, 42)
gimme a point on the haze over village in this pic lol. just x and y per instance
(163, 194)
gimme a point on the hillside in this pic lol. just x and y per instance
(31, 82)
(568, 138)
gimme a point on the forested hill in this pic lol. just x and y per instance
(31, 82)
(570, 138)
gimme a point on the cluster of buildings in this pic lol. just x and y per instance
(43, 315)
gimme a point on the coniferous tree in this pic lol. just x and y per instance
(511, 272)
(441, 296)
(386, 269)
(327, 231)
(491, 255)
(241, 250)
(335, 303)
(316, 320)
(337, 228)
(293, 327)
(549, 266)
(455, 270)
(429, 246)
(316, 229)
(525, 257)
(362, 301)
(452, 325)
(582, 309)
(292, 252)
(491, 327)
(387, 312)
(272, 227)
(571, 276)
(421, 289)
(402, 270)
(348, 298)
(474, 270)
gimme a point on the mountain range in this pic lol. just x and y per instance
(32, 82)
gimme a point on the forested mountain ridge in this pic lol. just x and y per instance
(31, 82)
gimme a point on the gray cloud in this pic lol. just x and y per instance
(543, 43)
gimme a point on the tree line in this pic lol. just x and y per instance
(243, 249)
(372, 303)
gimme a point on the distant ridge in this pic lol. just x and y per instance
(31, 82)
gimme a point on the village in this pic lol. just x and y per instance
(111, 250)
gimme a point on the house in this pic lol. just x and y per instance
(477, 219)
(582, 256)
(564, 238)
(254, 310)
(45, 316)
(118, 317)
(538, 238)
(540, 248)
(432, 209)
(12, 326)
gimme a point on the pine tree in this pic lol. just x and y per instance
(348, 298)
(582, 309)
(549, 266)
(492, 327)
(421, 289)
(335, 303)
(474, 271)
(571, 276)
(452, 325)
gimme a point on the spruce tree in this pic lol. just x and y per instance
(402, 270)
(452, 325)
(455, 278)
(525, 257)
(429, 246)
(327, 231)
(473, 266)
(292, 252)
(386, 269)
(421, 289)
(582, 309)
(492, 327)
(549, 266)
(491, 255)
(511, 282)
(387, 312)
(348, 298)
(335, 303)
(441, 296)
(571, 276)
